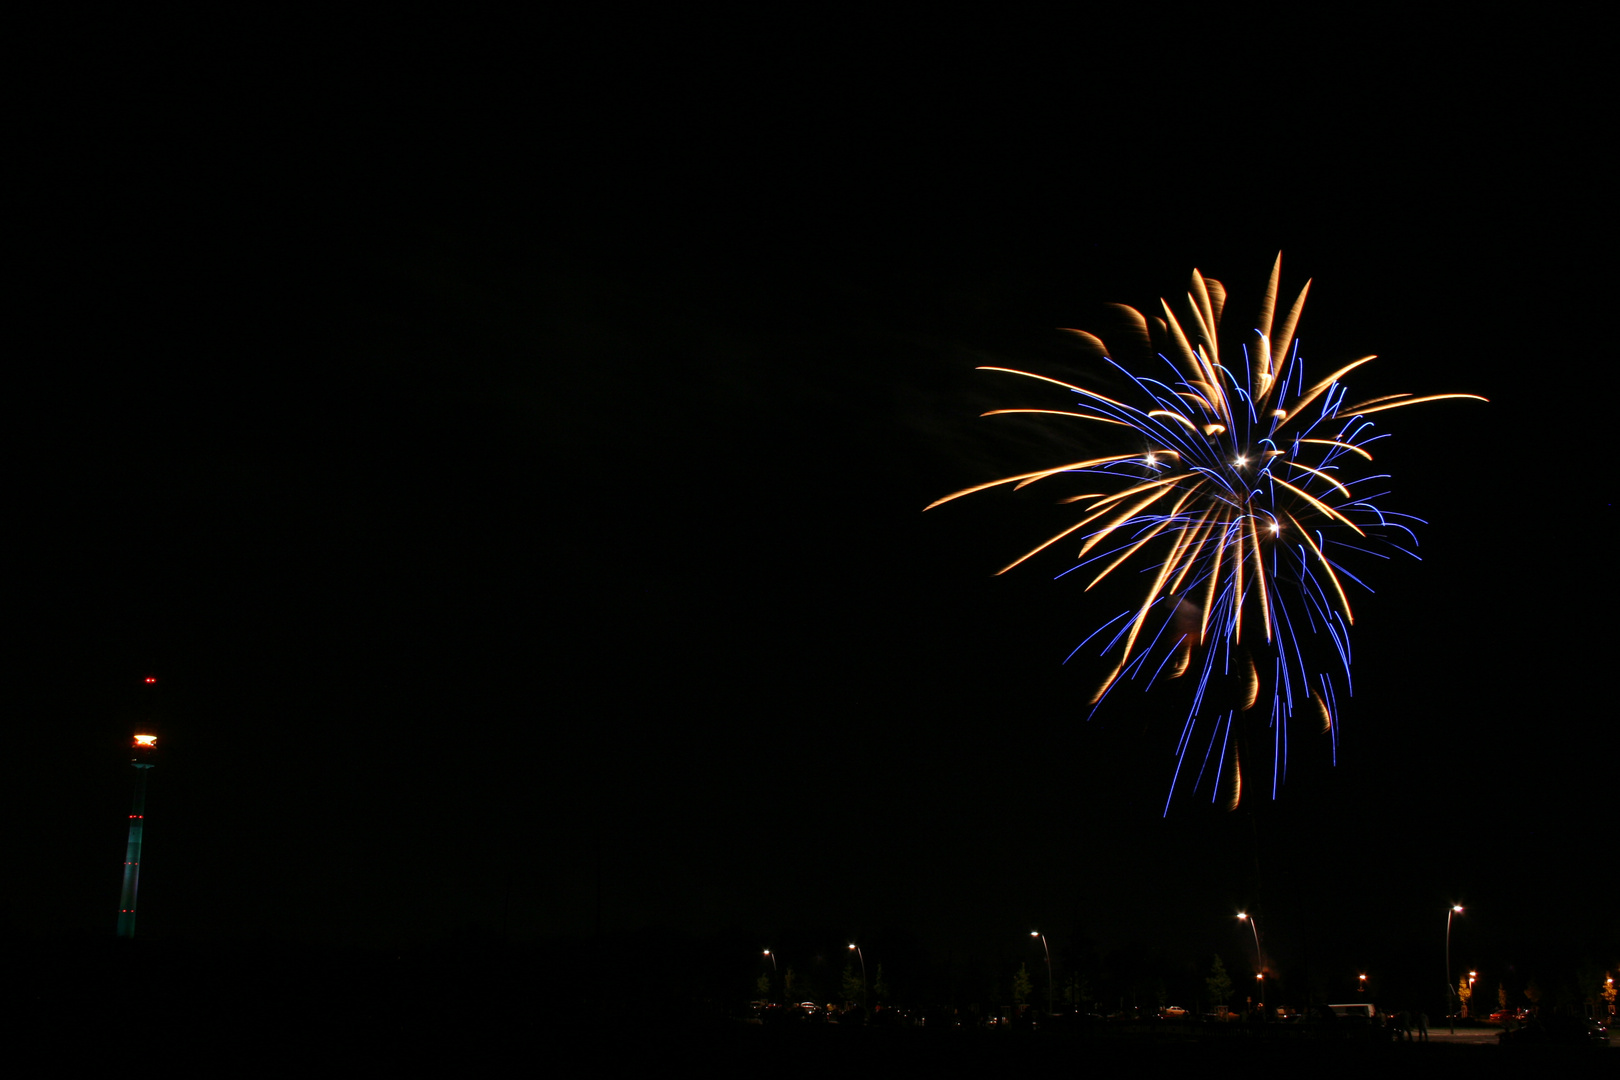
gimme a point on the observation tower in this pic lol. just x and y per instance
(143, 747)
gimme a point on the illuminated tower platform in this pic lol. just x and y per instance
(144, 745)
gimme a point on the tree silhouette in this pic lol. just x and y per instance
(1021, 986)
(1219, 983)
(854, 989)
(880, 986)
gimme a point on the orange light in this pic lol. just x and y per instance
(146, 740)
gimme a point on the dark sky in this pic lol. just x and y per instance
(511, 465)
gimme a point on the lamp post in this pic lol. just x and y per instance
(857, 950)
(143, 746)
(773, 972)
(1456, 909)
(1361, 984)
(1048, 948)
(1259, 966)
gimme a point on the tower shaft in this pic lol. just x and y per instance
(132, 856)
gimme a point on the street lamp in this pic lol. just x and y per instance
(1048, 948)
(1361, 984)
(1456, 909)
(773, 972)
(1244, 916)
(862, 955)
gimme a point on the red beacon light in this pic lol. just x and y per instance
(151, 679)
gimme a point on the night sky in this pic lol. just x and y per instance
(512, 469)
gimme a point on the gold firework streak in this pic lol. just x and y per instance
(1197, 498)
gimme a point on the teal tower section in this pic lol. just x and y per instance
(144, 744)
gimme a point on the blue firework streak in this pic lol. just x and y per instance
(1244, 491)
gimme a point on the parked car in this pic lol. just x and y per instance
(1131, 1016)
(1557, 1031)
(805, 1012)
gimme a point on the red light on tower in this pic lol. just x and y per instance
(150, 679)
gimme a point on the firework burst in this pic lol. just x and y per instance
(1244, 490)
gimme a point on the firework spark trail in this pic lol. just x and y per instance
(1240, 483)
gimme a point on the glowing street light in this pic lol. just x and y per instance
(1048, 948)
(1456, 909)
(857, 950)
(1244, 916)
(772, 955)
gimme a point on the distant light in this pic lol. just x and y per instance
(150, 679)
(1241, 461)
(1034, 933)
(146, 740)
(1456, 907)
